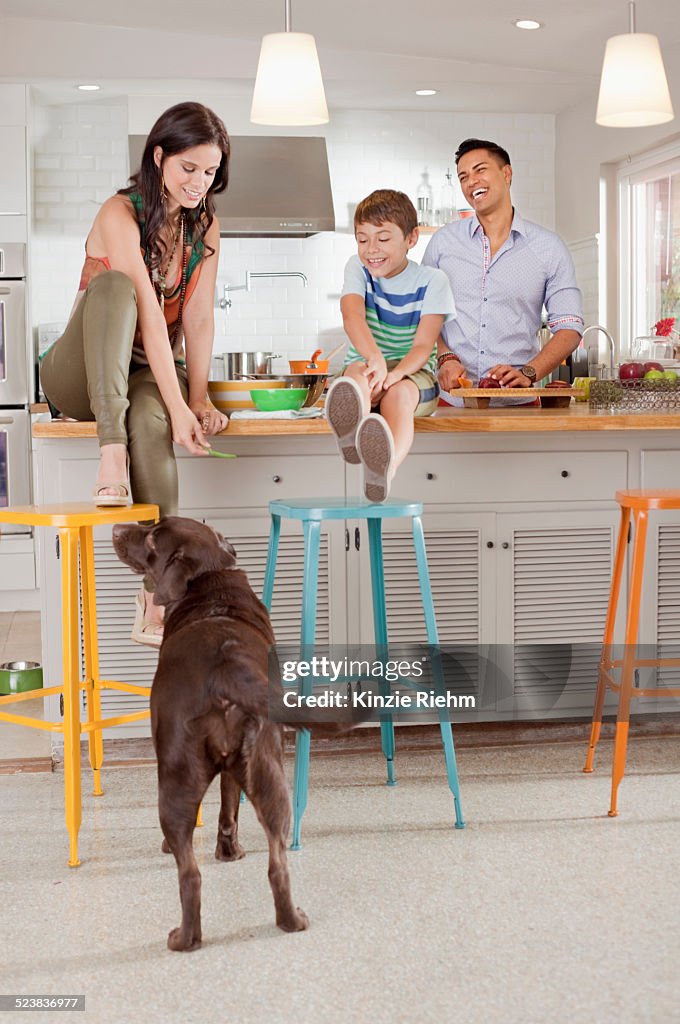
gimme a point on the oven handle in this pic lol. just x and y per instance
(6, 419)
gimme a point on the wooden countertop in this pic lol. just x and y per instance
(577, 417)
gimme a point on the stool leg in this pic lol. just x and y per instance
(610, 622)
(91, 654)
(270, 571)
(380, 630)
(433, 639)
(71, 693)
(629, 657)
(312, 535)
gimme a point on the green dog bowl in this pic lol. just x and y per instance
(20, 676)
(271, 400)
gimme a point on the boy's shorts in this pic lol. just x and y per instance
(424, 380)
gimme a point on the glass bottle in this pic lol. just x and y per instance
(447, 200)
(424, 201)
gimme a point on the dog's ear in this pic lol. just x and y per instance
(225, 545)
(172, 582)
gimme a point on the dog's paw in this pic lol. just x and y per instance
(178, 944)
(228, 850)
(165, 847)
(295, 922)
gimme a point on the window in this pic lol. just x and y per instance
(649, 223)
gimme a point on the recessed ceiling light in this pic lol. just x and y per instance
(527, 23)
(426, 92)
(88, 88)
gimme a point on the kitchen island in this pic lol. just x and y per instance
(520, 524)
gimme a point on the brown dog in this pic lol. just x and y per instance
(209, 707)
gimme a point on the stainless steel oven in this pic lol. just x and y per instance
(14, 351)
(15, 452)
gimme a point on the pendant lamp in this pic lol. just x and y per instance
(633, 88)
(288, 87)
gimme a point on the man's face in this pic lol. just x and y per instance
(484, 182)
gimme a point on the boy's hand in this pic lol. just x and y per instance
(375, 372)
(393, 377)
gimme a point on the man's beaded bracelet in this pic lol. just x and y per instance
(445, 357)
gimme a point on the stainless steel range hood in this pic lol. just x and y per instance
(278, 186)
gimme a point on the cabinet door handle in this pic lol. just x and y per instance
(346, 539)
(276, 478)
(489, 543)
(505, 545)
(565, 473)
(357, 538)
(431, 476)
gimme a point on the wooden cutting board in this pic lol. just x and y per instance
(511, 392)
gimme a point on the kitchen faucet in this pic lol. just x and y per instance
(612, 344)
(225, 301)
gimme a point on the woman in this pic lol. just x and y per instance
(145, 301)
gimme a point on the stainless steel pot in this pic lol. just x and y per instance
(237, 364)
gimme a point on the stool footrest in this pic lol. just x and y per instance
(107, 723)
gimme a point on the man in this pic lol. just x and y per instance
(503, 270)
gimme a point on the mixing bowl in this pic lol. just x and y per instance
(275, 400)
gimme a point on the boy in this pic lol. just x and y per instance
(393, 311)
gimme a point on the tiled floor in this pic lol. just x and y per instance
(20, 641)
(541, 910)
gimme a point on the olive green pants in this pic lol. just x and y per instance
(88, 375)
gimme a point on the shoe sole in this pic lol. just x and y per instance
(376, 450)
(344, 412)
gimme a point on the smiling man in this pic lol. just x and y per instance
(503, 271)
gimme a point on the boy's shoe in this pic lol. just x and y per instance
(375, 445)
(344, 412)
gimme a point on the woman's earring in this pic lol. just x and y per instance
(164, 194)
(203, 206)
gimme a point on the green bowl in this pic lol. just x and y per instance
(20, 676)
(274, 400)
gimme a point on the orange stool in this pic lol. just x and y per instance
(75, 522)
(639, 503)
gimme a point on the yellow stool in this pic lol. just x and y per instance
(75, 522)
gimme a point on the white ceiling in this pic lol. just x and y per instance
(372, 56)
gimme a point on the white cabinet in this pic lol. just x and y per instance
(14, 194)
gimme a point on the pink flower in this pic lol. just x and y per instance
(663, 328)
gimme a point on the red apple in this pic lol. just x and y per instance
(489, 382)
(652, 366)
(631, 371)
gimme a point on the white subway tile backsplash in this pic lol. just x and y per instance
(367, 149)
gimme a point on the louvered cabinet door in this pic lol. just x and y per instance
(250, 537)
(463, 588)
(660, 607)
(554, 575)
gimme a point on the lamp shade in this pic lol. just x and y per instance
(633, 88)
(288, 87)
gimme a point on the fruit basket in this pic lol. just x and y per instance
(635, 395)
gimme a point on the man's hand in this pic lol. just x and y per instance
(508, 376)
(448, 374)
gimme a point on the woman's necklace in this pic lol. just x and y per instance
(159, 273)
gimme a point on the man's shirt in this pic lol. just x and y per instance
(499, 301)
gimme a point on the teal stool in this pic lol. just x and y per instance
(311, 514)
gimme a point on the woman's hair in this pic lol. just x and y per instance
(387, 205)
(180, 128)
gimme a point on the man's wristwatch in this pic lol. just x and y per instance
(529, 373)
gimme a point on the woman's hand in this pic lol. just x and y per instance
(211, 419)
(187, 431)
